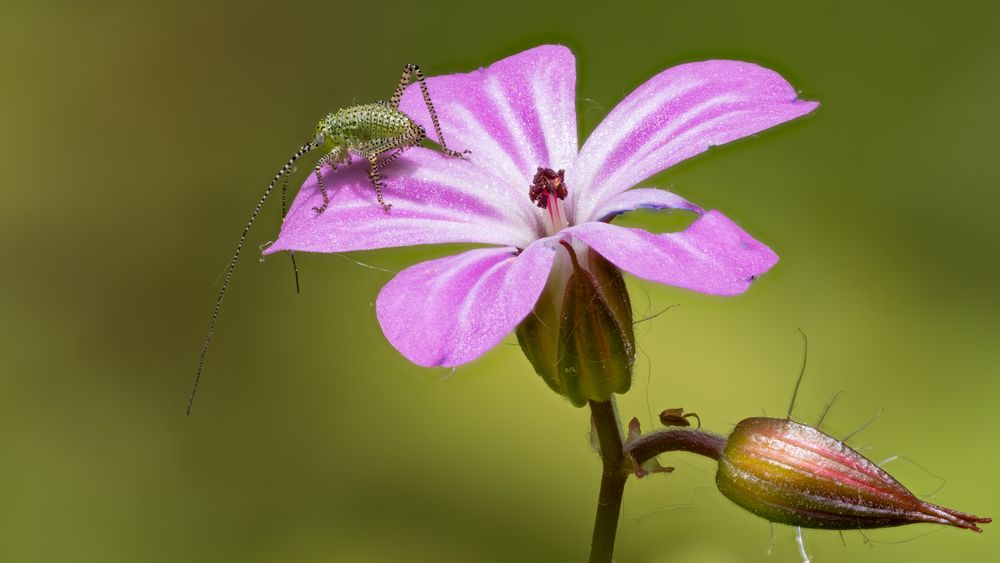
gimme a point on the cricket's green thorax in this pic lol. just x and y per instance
(355, 126)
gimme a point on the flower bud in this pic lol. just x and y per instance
(579, 338)
(794, 474)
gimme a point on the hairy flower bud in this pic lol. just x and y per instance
(794, 474)
(579, 338)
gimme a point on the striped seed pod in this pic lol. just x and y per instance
(794, 474)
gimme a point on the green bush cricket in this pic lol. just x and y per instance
(367, 130)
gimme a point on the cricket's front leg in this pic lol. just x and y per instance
(330, 159)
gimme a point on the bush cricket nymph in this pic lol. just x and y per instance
(378, 132)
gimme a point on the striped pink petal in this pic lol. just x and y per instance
(450, 311)
(675, 115)
(713, 255)
(514, 115)
(434, 198)
(642, 198)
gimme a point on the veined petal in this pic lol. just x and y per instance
(514, 115)
(713, 255)
(434, 198)
(450, 311)
(642, 198)
(675, 115)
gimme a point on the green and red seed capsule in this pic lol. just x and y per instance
(794, 474)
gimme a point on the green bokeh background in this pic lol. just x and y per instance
(136, 137)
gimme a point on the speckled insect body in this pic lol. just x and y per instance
(378, 132)
(370, 131)
(367, 130)
(375, 127)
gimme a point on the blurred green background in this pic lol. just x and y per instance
(137, 137)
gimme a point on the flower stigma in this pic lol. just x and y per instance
(548, 189)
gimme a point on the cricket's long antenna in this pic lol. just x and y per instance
(295, 269)
(805, 356)
(232, 266)
(284, 211)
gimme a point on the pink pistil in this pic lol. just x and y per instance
(547, 188)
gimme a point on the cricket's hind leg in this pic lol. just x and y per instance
(412, 69)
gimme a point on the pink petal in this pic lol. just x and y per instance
(450, 311)
(514, 115)
(434, 198)
(675, 115)
(642, 198)
(713, 255)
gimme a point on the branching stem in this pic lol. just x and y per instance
(619, 459)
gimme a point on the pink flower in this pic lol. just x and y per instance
(518, 116)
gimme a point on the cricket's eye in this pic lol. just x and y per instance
(319, 139)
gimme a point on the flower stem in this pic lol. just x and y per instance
(691, 440)
(613, 476)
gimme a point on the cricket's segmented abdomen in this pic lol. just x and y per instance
(368, 122)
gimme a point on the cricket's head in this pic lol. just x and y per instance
(327, 133)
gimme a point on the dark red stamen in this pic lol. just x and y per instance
(547, 183)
